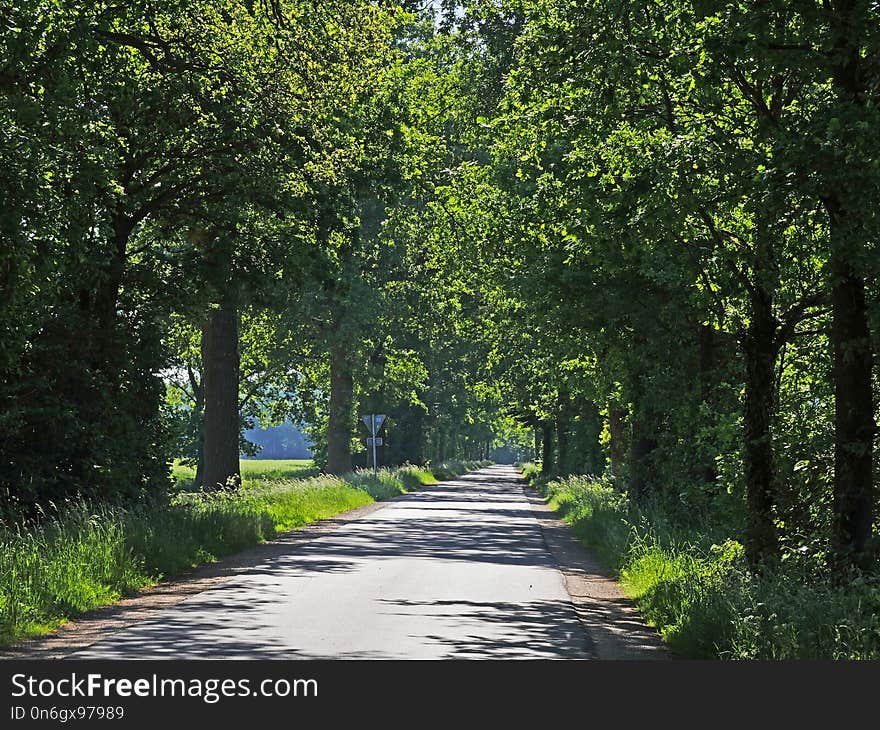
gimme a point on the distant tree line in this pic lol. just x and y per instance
(284, 441)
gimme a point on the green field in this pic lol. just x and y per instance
(253, 470)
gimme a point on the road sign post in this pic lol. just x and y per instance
(373, 431)
(374, 422)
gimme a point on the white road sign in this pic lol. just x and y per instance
(374, 421)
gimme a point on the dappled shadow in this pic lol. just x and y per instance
(532, 629)
(221, 623)
(434, 524)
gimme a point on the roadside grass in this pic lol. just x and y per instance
(92, 555)
(252, 470)
(695, 587)
(452, 468)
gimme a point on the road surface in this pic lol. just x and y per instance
(456, 570)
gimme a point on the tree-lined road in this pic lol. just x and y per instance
(460, 569)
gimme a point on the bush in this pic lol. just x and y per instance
(63, 567)
(531, 471)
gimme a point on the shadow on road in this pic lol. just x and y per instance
(478, 519)
(534, 628)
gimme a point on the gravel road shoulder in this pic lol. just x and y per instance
(612, 620)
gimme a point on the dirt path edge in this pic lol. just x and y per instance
(612, 620)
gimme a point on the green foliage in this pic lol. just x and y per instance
(63, 568)
(531, 471)
(695, 587)
(634, 242)
(173, 154)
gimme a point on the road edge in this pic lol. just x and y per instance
(616, 628)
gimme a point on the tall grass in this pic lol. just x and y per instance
(695, 587)
(454, 467)
(91, 555)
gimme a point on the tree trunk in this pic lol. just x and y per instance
(339, 426)
(197, 421)
(414, 437)
(708, 472)
(562, 455)
(547, 466)
(617, 431)
(761, 348)
(199, 479)
(94, 387)
(220, 367)
(418, 438)
(854, 425)
(104, 300)
(643, 439)
(642, 448)
(853, 73)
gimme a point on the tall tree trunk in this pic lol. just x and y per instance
(854, 426)
(94, 387)
(198, 417)
(562, 450)
(592, 459)
(220, 367)
(642, 448)
(339, 426)
(416, 436)
(547, 466)
(853, 73)
(199, 479)
(761, 347)
(104, 300)
(537, 435)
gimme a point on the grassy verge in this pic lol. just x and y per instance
(93, 555)
(696, 589)
(451, 469)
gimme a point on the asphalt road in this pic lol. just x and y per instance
(459, 569)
